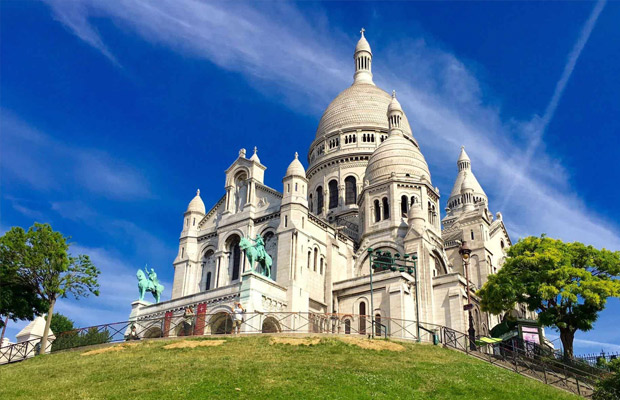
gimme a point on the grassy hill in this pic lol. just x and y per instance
(266, 367)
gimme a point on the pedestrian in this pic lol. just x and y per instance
(238, 317)
(188, 320)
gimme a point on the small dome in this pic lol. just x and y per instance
(196, 205)
(463, 156)
(396, 155)
(296, 168)
(362, 44)
(394, 104)
(255, 155)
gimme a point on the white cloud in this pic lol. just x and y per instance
(46, 164)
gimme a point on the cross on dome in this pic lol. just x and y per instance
(393, 94)
(362, 31)
(296, 155)
(198, 192)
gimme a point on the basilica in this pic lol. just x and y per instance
(366, 185)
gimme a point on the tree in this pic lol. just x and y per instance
(568, 284)
(18, 298)
(61, 323)
(44, 264)
(608, 388)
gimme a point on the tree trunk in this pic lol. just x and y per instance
(48, 322)
(567, 336)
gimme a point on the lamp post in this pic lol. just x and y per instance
(465, 252)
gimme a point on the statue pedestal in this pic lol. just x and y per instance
(261, 294)
(133, 316)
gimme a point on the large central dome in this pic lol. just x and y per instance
(361, 106)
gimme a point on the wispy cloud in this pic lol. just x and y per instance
(46, 164)
(538, 125)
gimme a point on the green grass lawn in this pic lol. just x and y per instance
(254, 368)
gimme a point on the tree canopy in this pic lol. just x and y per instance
(18, 298)
(568, 284)
(40, 261)
(61, 323)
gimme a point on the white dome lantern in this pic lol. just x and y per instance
(196, 205)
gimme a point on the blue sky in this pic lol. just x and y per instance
(114, 113)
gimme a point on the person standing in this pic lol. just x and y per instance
(238, 317)
(188, 320)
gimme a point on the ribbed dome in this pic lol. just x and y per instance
(398, 155)
(362, 105)
(196, 205)
(296, 168)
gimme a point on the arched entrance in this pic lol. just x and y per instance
(152, 332)
(221, 323)
(271, 325)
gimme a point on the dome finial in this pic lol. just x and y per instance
(296, 156)
(197, 192)
(255, 149)
(362, 31)
(393, 94)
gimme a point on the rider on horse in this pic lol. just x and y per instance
(260, 246)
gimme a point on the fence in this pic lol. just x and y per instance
(531, 360)
(522, 357)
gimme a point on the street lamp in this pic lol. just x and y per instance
(465, 253)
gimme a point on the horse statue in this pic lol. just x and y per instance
(256, 253)
(148, 282)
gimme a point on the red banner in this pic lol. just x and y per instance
(199, 327)
(167, 320)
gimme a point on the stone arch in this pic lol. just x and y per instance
(208, 261)
(221, 323)
(363, 263)
(271, 247)
(271, 325)
(152, 332)
(236, 255)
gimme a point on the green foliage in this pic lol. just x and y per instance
(18, 297)
(609, 387)
(41, 261)
(61, 323)
(568, 284)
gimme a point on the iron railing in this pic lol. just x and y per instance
(526, 359)
(519, 356)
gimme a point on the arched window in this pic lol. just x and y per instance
(309, 258)
(378, 325)
(386, 208)
(347, 326)
(310, 205)
(319, 200)
(362, 330)
(377, 211)
(413, 200)
(316, 256)
(430, 213)
(350, 191)
(403, 205)
(208, 265)
(235, 256)
(321, 269)
(333, 194)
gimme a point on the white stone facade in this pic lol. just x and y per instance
(367, 186)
